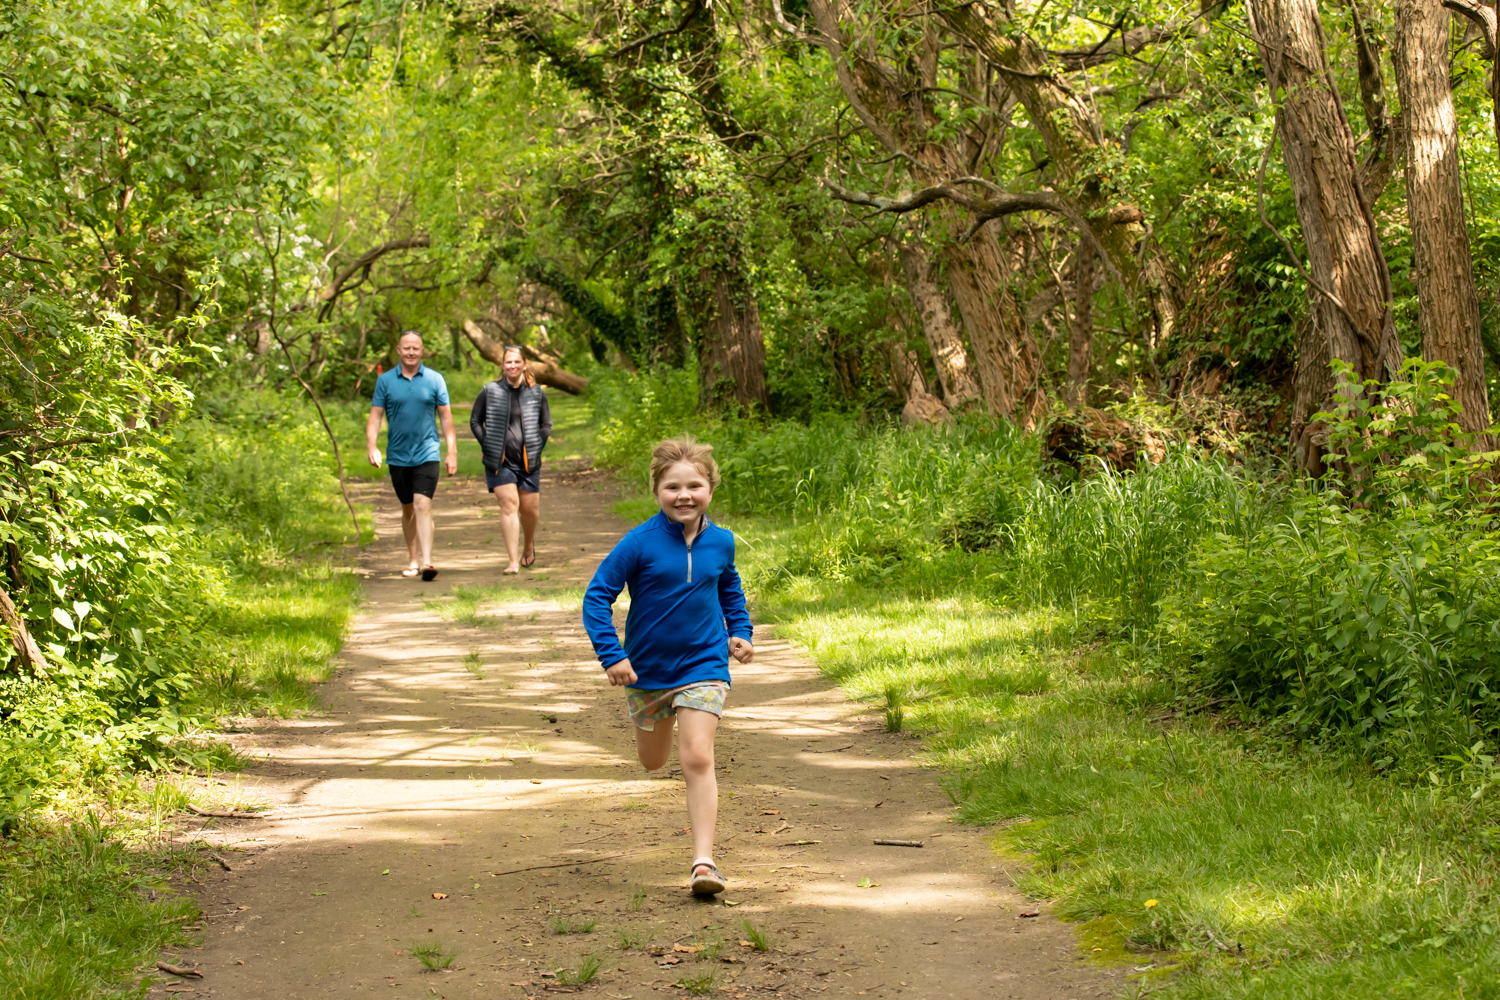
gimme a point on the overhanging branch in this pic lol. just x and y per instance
(361, 266)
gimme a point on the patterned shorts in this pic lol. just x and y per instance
(647, 708)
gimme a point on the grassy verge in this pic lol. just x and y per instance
(263, 597)
(1216, 856)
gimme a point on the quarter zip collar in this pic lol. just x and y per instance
(676, 528)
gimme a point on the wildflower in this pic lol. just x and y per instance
(1150, 903)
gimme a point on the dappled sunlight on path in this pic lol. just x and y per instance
(470, 733)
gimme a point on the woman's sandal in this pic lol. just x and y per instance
(709, 882)
(410, 572)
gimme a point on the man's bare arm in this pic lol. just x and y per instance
(372, 434)
(445, 414)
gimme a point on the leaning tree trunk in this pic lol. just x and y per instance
(1449, 313)
(731, 345)
(949, 356)
(1081, 343)
(981, 274)
(1352, 291)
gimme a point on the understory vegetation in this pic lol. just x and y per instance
(1240, 724)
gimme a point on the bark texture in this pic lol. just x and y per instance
(949, 356)
(27, 651)
(731, 344)
(1081, 344)
(1351, 302)
(981, 274)
(1449, 313)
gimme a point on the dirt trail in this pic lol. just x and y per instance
(396, 810)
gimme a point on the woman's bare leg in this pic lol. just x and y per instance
(531, 505)
(510, 524)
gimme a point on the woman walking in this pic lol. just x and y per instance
(512, 421)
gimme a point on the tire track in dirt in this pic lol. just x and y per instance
(395, 809)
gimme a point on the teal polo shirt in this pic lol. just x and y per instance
(410, 406)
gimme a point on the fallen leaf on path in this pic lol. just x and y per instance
(524, 982)
(686, 949)
(440, 895)
(730, 902)
(386, 872)
(669, 961)
(880, 803)
(770, 812)
(320, 894)
(1031, 913)
(865, 883)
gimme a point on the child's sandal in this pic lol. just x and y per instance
(706, 879)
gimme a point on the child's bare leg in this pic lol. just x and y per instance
(654, 748)
(695, 751)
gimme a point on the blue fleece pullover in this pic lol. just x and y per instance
(685, 603)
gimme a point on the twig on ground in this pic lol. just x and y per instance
(226, 813)
(834, 750)
(180, 970)
(900, 843)
(222, 863)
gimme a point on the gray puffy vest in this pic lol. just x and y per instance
(497, 421)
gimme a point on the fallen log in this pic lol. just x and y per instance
(544, 367)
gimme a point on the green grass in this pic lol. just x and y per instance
(699, 985)
(588, 968)
(79, 913)
(1320, 876)
(433, 956)
(627, 938)
(561, 926)
(759, 939)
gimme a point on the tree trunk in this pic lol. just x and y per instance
(1352, 297)
(1081, 344)
(1449, 300)
(26, 648)
(943, 339)
(979, 273)
(731, 346)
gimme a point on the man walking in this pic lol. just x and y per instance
(409, 396)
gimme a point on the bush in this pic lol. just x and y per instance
(1373, 626)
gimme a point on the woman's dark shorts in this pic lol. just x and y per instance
(409, 480)
(507, 474)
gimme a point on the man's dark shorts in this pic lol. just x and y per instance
(409, 480)
(507, 474)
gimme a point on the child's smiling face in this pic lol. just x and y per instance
(684, 493)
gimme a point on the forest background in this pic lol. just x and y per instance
(1102, 389)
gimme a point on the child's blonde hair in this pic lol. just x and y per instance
(684, 449)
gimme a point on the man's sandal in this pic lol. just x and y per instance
(528, 562)
(429, 572)
(706, 879)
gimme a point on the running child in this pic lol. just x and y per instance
(687, 617)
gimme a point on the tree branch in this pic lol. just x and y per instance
(361, 266)
(687, 19)
(1483, 17)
